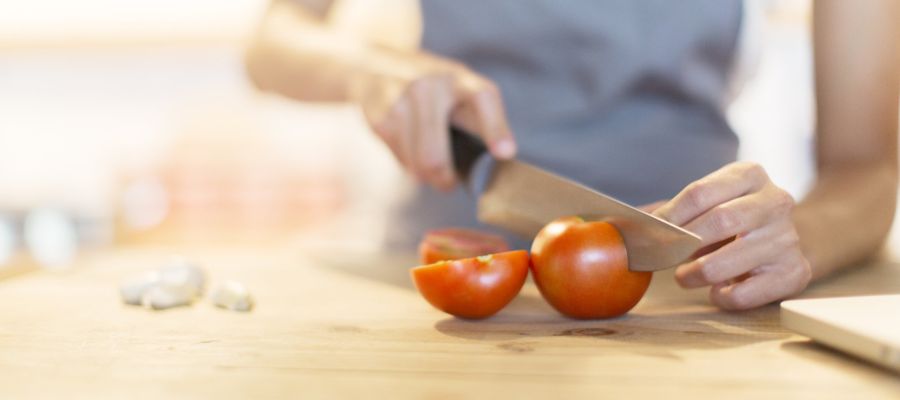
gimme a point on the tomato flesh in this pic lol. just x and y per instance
(581, 269)
(456, 243)
(473, 288)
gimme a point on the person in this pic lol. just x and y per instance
(627, 97)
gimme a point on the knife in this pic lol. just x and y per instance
(522, 198)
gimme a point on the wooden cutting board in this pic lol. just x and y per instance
(337, 322)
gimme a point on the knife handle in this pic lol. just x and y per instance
(466, 148)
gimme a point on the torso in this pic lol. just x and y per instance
(624, 96)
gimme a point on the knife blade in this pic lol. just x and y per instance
(522, 198)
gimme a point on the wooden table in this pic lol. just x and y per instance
(336, 322)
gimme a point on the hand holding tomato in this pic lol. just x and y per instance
(760, 259)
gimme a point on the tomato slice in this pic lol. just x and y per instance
(473, 288)
(456, 243)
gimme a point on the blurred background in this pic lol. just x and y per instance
(128, 123)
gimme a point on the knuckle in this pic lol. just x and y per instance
(783, 202)
(751, 167)
(752, 171)
(804, 274)
(486, 94)
(789, 239)
(697, 194)
(726, 221)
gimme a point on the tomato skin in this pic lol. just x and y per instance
(581, 269)
(456, 243)
(473, 288)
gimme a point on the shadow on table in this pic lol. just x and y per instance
(666, 320)
(823, 355)
(880, 275)
(655, 332)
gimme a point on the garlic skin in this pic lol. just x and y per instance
(232, 296)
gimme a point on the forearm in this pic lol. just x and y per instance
(295, 54)
(847, 216)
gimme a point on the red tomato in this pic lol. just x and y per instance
(455, 243)
(581, 269)
(473, 287)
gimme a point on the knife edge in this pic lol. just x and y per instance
(511, 199)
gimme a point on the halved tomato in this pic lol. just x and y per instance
(475, 287)
(456, 243)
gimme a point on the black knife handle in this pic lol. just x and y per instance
(466, 148)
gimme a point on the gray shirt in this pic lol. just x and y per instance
(624, 96)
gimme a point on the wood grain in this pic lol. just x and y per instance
(338, 323)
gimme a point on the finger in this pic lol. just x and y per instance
(766, 284)
(728, 262)
(738, 257)
(481, 110)
(431, 140)
(390, 132)
(649, 208)
(741, 215)
(727, 183)
(405, 137)
(712, 247)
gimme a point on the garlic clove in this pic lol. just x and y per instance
(133, 290)
(184, 273)
(233, 296)
(162, 296)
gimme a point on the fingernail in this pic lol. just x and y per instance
(505, 148)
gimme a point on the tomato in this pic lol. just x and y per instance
(473, 288)
(455, 243)
(581, 269)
